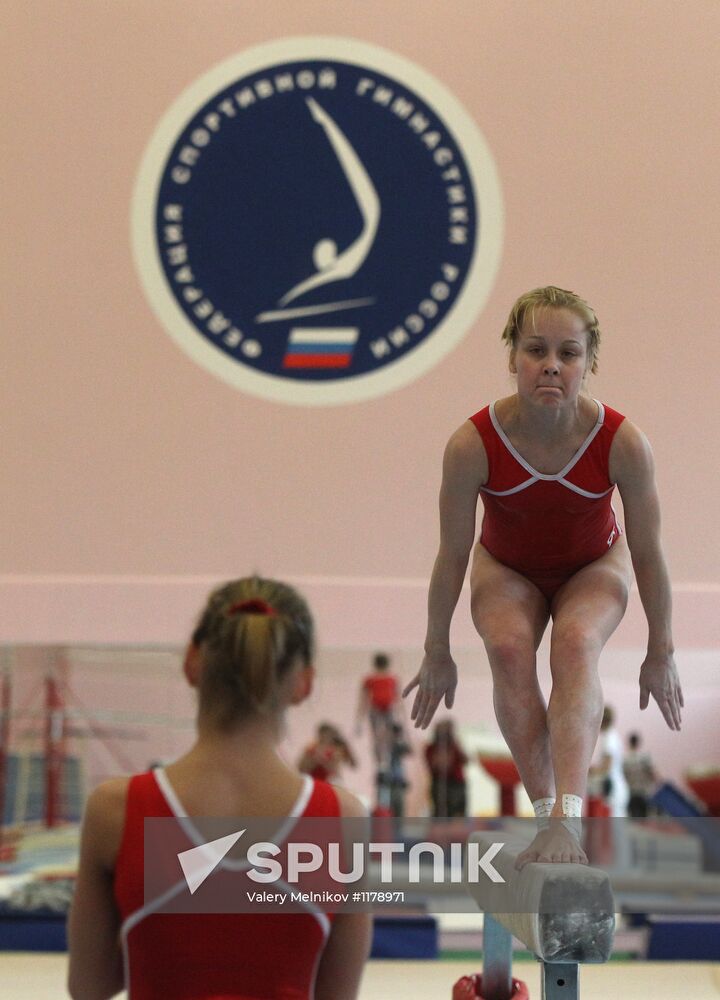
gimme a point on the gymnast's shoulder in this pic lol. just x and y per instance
(104, 818)
(630, 454)
(465, 459)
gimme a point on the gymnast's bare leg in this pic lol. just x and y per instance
(510, 615)
(552, 749)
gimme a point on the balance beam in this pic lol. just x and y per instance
(564, 914)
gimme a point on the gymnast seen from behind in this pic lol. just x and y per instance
(250, 659)
(545, 462)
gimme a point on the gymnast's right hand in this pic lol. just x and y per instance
(437, 677)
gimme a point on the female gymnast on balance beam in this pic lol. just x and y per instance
(545, 461)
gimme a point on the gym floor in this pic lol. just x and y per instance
(38, 976)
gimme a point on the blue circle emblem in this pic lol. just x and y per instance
(309, 228)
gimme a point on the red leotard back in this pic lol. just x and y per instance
(213, 956)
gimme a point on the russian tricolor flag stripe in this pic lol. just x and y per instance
(322, 347)
(317, 360)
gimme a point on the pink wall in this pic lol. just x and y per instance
(133, 479)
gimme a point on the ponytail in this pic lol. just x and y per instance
(251, 633)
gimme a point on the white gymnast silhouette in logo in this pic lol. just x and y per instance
(331, 265)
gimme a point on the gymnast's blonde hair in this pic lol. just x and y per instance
(551, 297)
(250, 635)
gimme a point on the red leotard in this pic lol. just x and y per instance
(212, 956)
(547, 527)
(383, 691)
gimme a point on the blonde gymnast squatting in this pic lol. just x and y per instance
(545, 461)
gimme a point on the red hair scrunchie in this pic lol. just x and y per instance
(253, 606)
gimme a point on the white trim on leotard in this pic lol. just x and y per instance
(180, 813)
(557, 477)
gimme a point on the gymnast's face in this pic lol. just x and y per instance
(550, 358)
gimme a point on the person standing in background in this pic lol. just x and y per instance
(607, 774)
(640, 776)
(446, 762)
(379, 698)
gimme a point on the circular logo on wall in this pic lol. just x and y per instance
(317, 221)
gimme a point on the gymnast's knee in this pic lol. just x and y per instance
(510, 656)
(575, 644)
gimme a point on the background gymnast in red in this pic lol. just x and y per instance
(379, 700)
